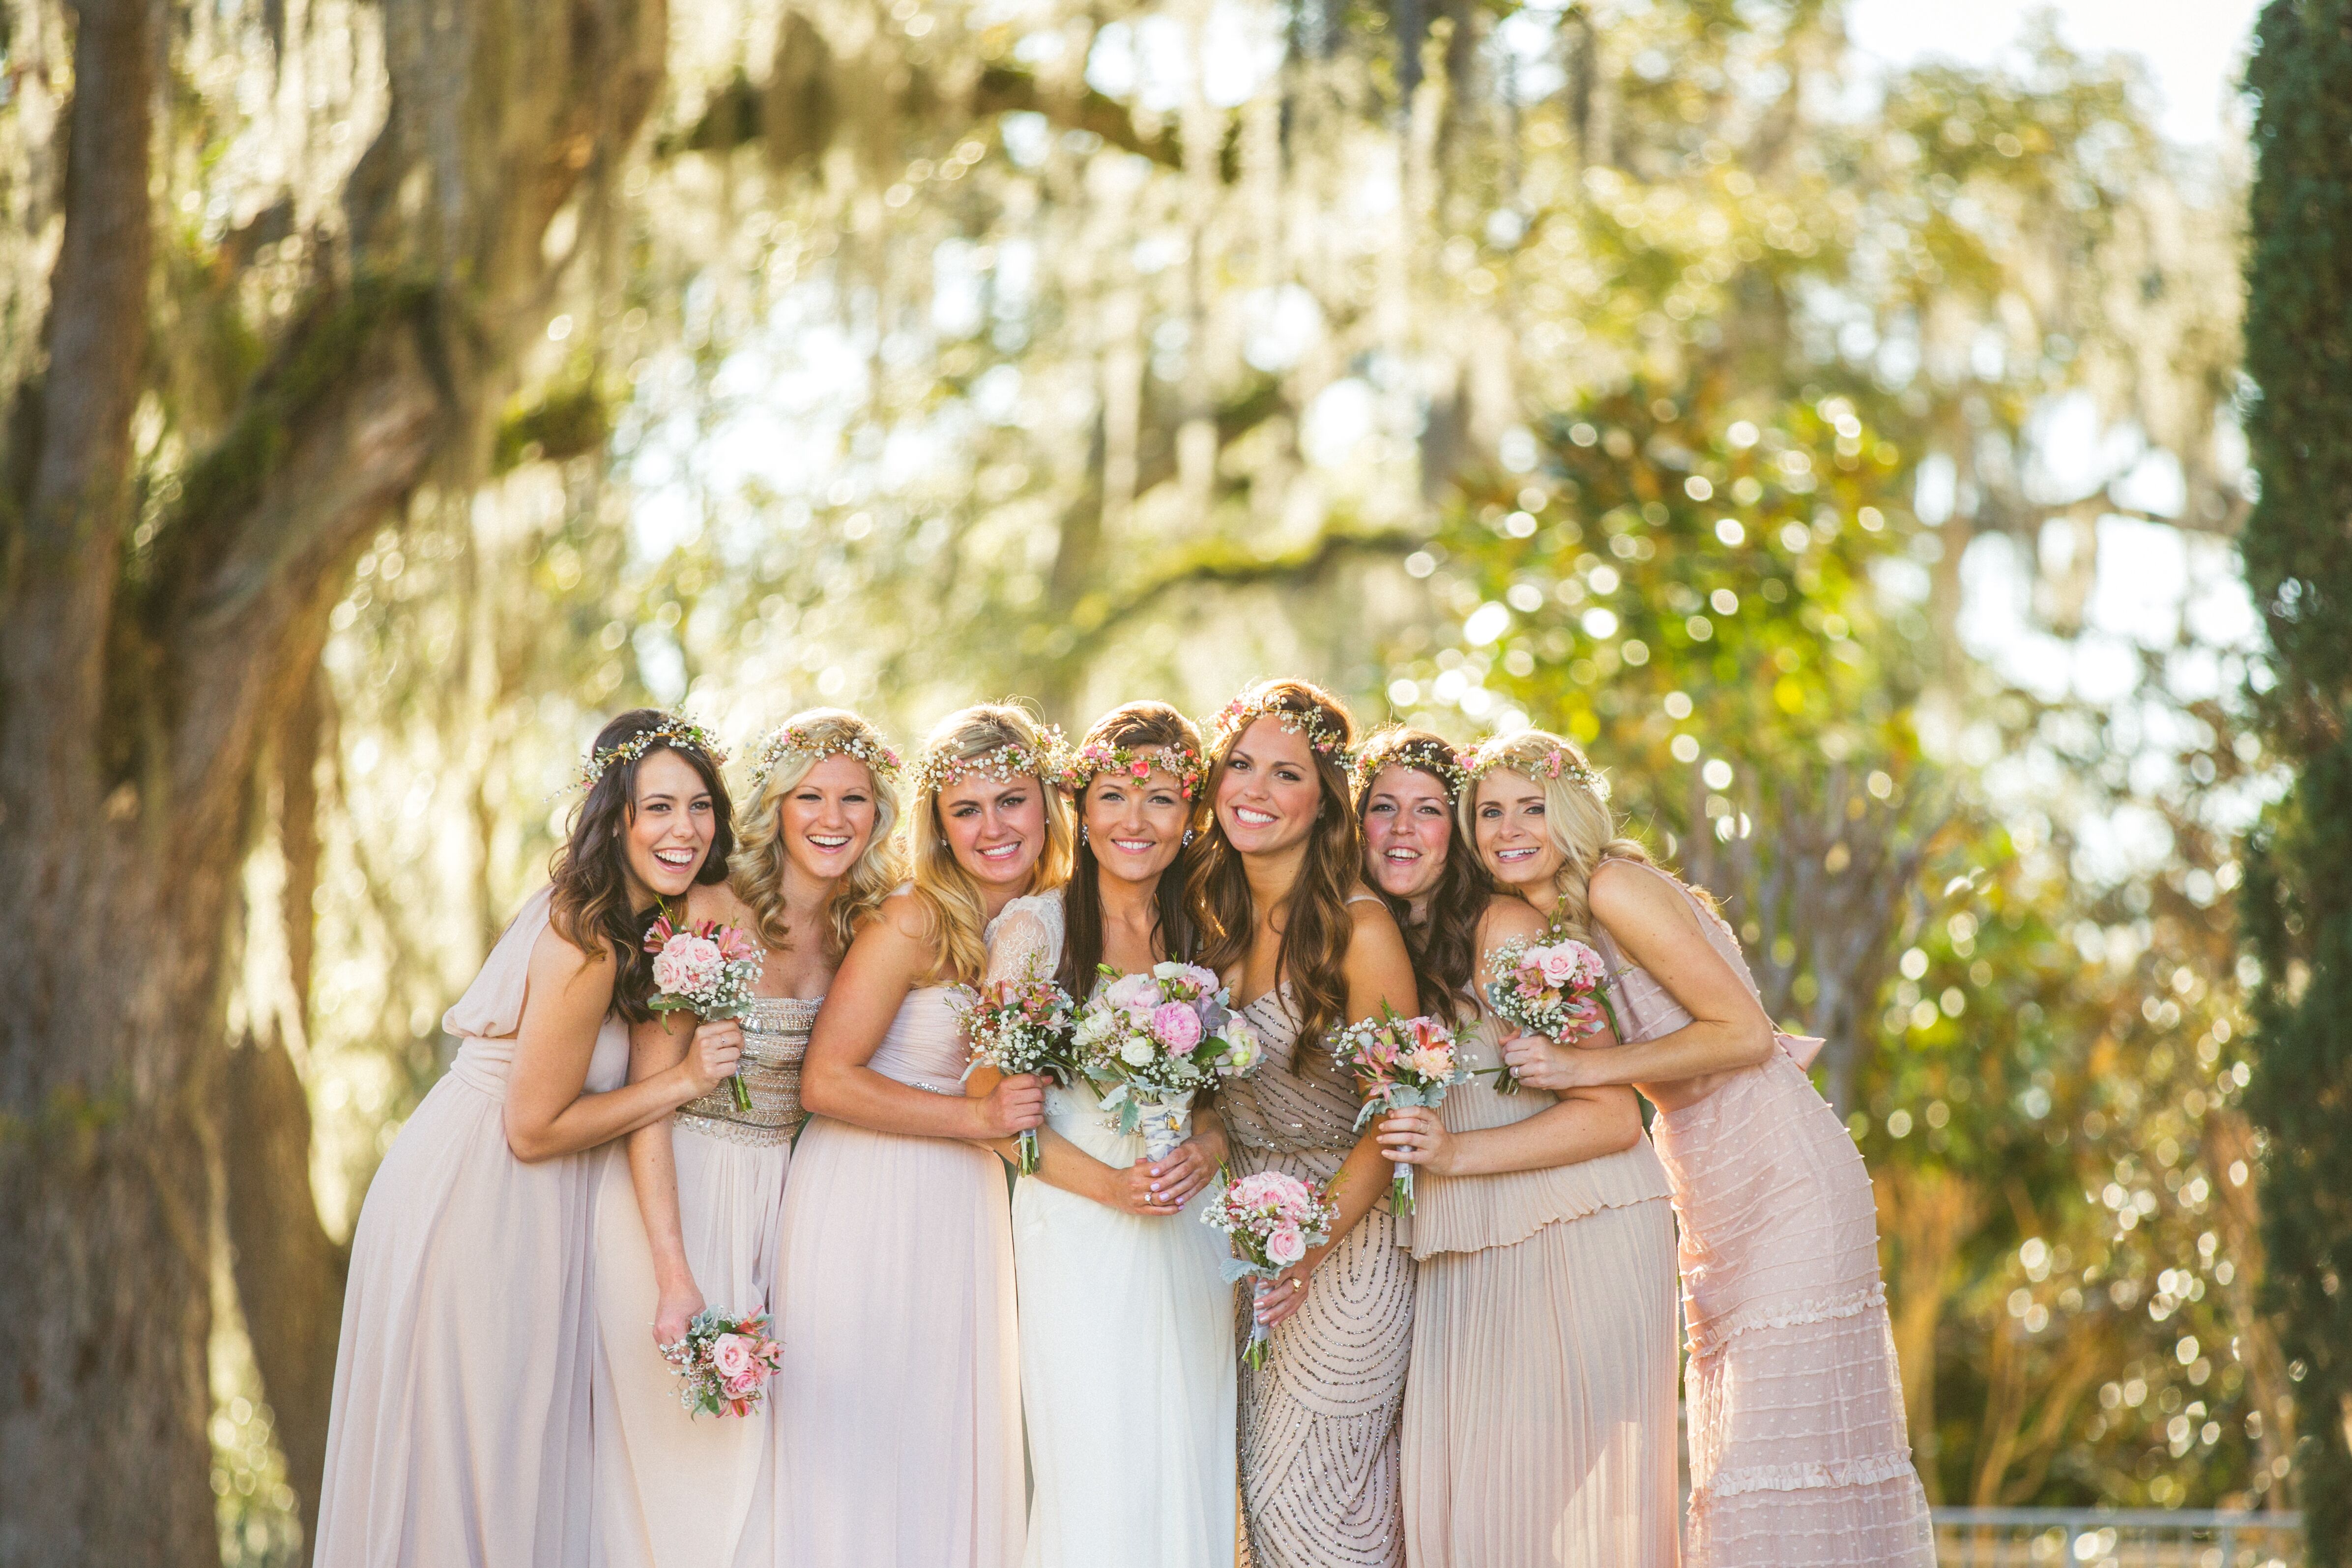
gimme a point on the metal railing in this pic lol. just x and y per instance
(2134, 1538)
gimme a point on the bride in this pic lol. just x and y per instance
(1127, 1329)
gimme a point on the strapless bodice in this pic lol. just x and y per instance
(776, 1040)
(925, 1046)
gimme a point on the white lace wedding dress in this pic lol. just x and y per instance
(1126, 1343)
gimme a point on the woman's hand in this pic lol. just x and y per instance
(713, 1054)
(1165, 1185)
(674, 1309)
(1541, 1064)
(1014, 1105)
(1415, 1136)
(1280, 1297)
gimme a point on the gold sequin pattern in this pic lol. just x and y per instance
(775, 1040)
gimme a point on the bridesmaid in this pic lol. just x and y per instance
(899, 1403)
(459, 1430)
(700, 1227)
(1280, 902)
(1539, 1412)
(1127, 1324)
(1798, 1452)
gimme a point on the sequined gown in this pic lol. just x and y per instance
(899, 1398)
(1319, 1421)
(1799, 1457)
(459, 1434)
(675, 1491)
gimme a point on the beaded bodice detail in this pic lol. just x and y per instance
(775, 1039)
(1300, 1099)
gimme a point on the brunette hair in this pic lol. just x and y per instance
(758, 866)
(1577, 817)
(948, 895)
(1130, 727)
(1317, 928)
(1444, 948)
(589, 903)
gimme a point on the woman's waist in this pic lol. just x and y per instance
(926, 1064)
(1469, 1214)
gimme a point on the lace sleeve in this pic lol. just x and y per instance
(1026, 939)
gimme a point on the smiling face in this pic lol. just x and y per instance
(1513, 842)
(1408, 827)
(1269, 791)
(995, 830)
(669, 828)
(1135, 826)
(826, 821)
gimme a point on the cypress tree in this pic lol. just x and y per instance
(2298, 557)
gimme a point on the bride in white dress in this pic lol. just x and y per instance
(1127, 1325)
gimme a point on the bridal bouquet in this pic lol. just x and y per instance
(1019, 1026)
(1401, 1062)
(1152, 1041)
(1559, 989)
(706, 969)
(724, 1360)
(1271, 1218)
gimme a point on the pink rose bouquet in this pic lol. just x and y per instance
(1019, 1026)
(706, 969)
(725, 1362)
(1150, 1042)
(1271, 1219)
(1399, 1061)
(1559, 989)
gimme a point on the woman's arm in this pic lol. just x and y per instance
(888, 958)
(569, 993)
(655, 1048)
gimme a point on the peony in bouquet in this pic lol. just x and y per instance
(1399, 1061)
(1019, 1026)
(724, 1360)
(706, 969)
(1271, 1219)
(1557, 988)
(1151, 1041)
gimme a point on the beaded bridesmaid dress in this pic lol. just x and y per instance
(675, 1491)
(1539, 1411)
(1126, 1343)
(459, 1434)
(899, 1403)
(1799, 1457)
(1319, 1420)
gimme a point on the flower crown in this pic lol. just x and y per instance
(940, 769)
(1557, 762)
(1100, 757)
(792, 740)
(672, 730)
(1430, 757)
(1239, 714)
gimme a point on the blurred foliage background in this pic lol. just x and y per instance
(1850, 458)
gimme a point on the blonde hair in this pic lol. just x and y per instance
(1577, 818)
(757, 867)
(946, 892)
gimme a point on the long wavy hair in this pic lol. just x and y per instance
(589, 904)
(1131, 727)
(1577, 817)
(1444, 947)
(947, 892)
(757, 867)
(1316, 927)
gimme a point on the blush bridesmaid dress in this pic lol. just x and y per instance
(459, 1434)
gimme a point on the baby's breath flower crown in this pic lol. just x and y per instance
(1551, 762)
(1098, 757)
(1441, 762)
(940, 769)
(795, 740)
(672, 730)
(1238, 715)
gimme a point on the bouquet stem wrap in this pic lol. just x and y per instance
(1165, 1123)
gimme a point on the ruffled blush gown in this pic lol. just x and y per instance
(1798, 1455)
(459, 1436)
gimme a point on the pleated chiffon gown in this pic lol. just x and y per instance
(460, 1436)
(1126, 1343)
(898, 1402)
(1799, 1455)
(1320, 1420)
(1539, 1408)
(675, 1491)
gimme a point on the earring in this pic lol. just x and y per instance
(1082, 833)
(1188, 836)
